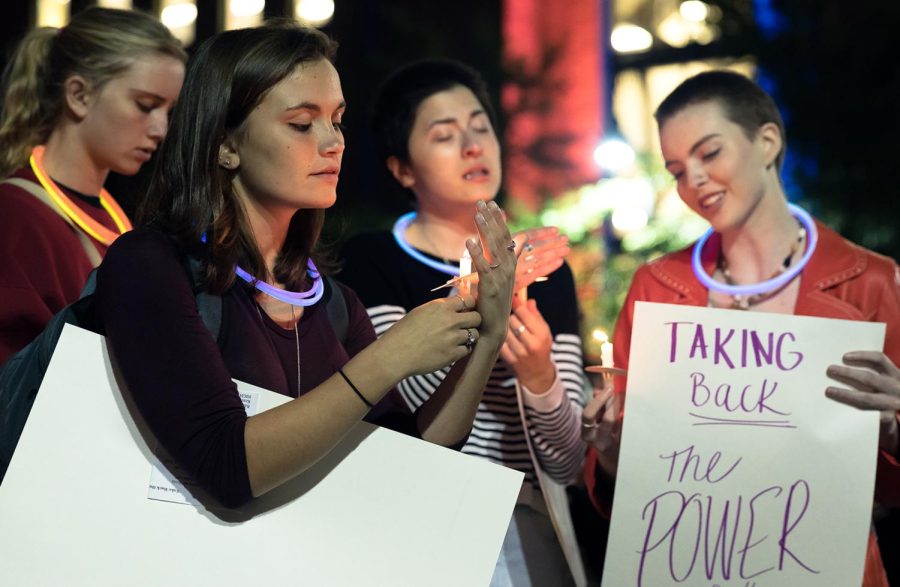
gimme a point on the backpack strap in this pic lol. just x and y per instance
(336, 306)
(41, 194)
(209, 305)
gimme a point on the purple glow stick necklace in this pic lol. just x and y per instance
(763, 286)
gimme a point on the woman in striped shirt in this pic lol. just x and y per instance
(433, 125)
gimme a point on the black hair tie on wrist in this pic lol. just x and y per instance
(355, 390)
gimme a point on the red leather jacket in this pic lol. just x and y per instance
(842, 280)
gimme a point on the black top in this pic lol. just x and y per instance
(181, 380)
(390, 283)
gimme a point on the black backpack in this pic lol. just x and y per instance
(21, 375)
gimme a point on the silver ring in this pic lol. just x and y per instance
(590, 426)
(520, 330)
(511, 246)
(470, 339)
(494, 266)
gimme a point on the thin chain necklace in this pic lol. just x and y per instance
(744, 302)
(90, 226)
(297, 341)
(434, 247)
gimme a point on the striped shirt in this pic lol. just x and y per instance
(390, 283)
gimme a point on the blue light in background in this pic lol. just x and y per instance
(770, 21)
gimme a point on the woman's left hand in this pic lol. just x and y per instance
(874, 383)
(544, 251)
(495, 277)
(527, 348)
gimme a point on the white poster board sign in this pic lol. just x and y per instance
(381, 509)
(735, 469)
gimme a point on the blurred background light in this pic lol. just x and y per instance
(630, 38)
(694, 10)
(314, 12)
(180, 16)
(628, 219)
(244, 14)
(54, 13)
(614, 155)
(244, 8)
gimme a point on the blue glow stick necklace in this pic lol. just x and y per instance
(399, 232)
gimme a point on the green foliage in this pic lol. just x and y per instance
(602, 262)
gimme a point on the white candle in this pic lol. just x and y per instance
(606, 354)
(465, 268)
(465, 263)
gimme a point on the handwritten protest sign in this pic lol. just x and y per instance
(735, 469)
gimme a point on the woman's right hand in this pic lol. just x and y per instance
(432, 335)
(496, 277)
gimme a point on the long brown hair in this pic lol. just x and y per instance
(190, 194)
(98, 44)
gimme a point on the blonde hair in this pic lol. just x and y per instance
(98, 45)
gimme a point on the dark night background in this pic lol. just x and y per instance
(831, 65)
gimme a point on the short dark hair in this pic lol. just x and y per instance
(190, 194)
(400, 95)
(742, 100)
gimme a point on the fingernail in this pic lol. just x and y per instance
(493, 205)
(479, 217)
(480, 205)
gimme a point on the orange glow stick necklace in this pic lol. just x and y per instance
(93, 228)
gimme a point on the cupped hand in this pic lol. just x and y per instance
(601, 428)
(432, 336)
(496, 277)
(543, 251)
(874, 384)
(527, 348)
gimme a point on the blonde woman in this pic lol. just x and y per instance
(80, 101)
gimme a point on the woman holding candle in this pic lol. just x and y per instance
(80, 101)
(723, 140)
(434, 129)
(252, 161)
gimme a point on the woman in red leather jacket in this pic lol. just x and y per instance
(722, 139)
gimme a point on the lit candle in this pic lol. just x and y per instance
(465, 268)
(606, 354)
(465, 263)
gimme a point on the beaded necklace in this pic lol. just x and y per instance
(742, 302)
